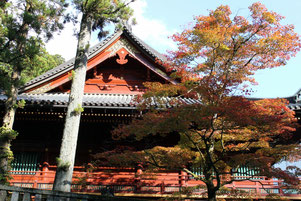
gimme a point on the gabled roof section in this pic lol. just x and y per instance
(147, 51)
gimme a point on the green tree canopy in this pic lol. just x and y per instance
(41, 63)
(24, 26)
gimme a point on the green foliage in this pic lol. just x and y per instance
(4, 178)
(20, 104)
(79, 109)
(104, 12)
(5, 80)
(41, 63)
(62, 165)
(71, 75)
(20, 51)
(7, 134)
(24, 25)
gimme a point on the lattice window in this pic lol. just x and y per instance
(269, 191)
(240, 173)
(25, 163)
(245, 172)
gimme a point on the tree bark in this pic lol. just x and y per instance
(8, 121)
(10, 105)
(211, 191)
(10, 108)
(63, 177)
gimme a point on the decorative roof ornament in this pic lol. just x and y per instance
(122, 54)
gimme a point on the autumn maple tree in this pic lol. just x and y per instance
(218, 129)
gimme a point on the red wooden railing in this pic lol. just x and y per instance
(131, 182)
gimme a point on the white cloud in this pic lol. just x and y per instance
(64, 43)
(154, 32)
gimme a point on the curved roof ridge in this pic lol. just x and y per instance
(154, 53)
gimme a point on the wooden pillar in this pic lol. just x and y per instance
(162, 187)
(183, 176)
(45, 171)
(139, 172)
(227, 177)
(258, 187)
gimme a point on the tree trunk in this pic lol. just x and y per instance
(7, 134)
(12, 94)
(6, 155)
(10, 105)
(211, 191)
(63, 177)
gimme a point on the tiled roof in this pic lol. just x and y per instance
(295, 101)
(294, 106)
(65, 67)
(90, 100)
(120, 101)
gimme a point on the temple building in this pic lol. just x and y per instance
(117, 68)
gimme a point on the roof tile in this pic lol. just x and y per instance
(120, 101)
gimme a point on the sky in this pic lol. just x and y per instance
(158, 19)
